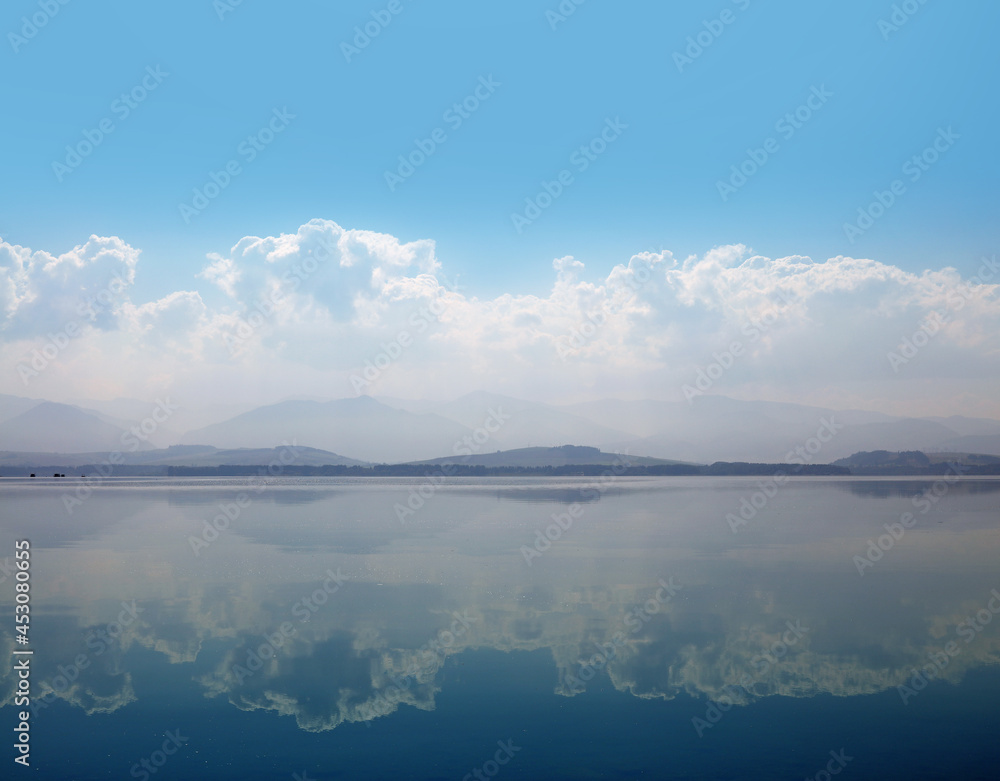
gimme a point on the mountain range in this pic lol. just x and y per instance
(392, 430)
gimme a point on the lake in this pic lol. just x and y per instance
(620, 628)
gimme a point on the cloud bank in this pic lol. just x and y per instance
(334, 312)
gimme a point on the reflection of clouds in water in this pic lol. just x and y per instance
(355, 676)
(350, 664)
(768, 654)
(364, 651)
(165, 629)
(324, 681)
(77, 667)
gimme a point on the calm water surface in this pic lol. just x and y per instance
(687, 628)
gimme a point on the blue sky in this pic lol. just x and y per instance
(556, 84)
(656, 187)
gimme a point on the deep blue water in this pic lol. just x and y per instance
(746, 654)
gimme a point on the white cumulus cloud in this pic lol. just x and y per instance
(305, 312)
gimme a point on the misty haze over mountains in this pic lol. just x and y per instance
(391, 430)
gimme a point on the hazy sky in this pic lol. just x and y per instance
(553, 205)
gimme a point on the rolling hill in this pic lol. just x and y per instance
(564, 455)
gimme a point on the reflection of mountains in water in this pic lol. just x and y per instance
(559, 495)
(271, 494)
(885, 489)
